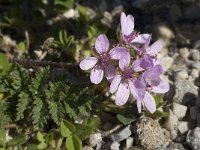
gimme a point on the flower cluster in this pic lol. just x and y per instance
(138, 78)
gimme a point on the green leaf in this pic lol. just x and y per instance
(31, 147)
(2, 137)
(66, 128)
(92, 122)
(159, 114)
(22, 46)
(83, 131)
(40, 137)
(42, 145)
(125, 119)
(4, 63)
(18, 140)
(73, 143)
(83, 12)
(158, 100)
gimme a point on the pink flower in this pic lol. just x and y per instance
(151, 81)
(101, 63)
(128, 35)
(124, 84)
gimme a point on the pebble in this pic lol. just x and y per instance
(122, 135)
(183, 127)
(129, 142)
(181, 74)
(165, 32)
(166, 62)
(195, 54)
(193, 138)
(114, 146)
(150, 135)
(184, 52)
(87, 148)
(193, 112)
(176, 146)
(185, 91)
(196, 65)
(179, 110)
(171, 123)
(94, 139)
(195, 73)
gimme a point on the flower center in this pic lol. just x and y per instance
(127, 74)
(130, 37)
(103, 59)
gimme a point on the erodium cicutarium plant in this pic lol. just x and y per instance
(138, 76)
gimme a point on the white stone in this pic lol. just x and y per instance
(181, 74)
(114, 146)
(171, 123)
(193, 112)
(184, 52)
(179, 110)
(183, 127)
(166, 62)
(195, 73)
(87, 148)
(129, 142)
(165, 32)
(94, 139)
(69, 14)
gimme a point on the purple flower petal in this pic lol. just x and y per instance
(122, 94)
(139, 106)
(146, 62)
(96, 75)
(110, 72)
(141, 38)
(124, 62)
(102, 44)
(149, 102)
(136, 66)
(88, 63)
(161, 88)
(127, 24)
(155, 47)
(118, 52)
(141, 87)
(115, 83)
(153, 72)
(133, 89)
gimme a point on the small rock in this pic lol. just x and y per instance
(195, 54)
(87, 148)
(174, 134)
(171, 123)
(193, 138)
(193, 112)
(176, 146)
(123, 134)
(129, 142)
(179, 110)
(196, 65)
(195, 73)
(94, 139)
(185, 91)
(184, 52)
(114, 146)
(181, 74)
(183, 127)
(166, 62)
(150, 135)
(165, 32)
